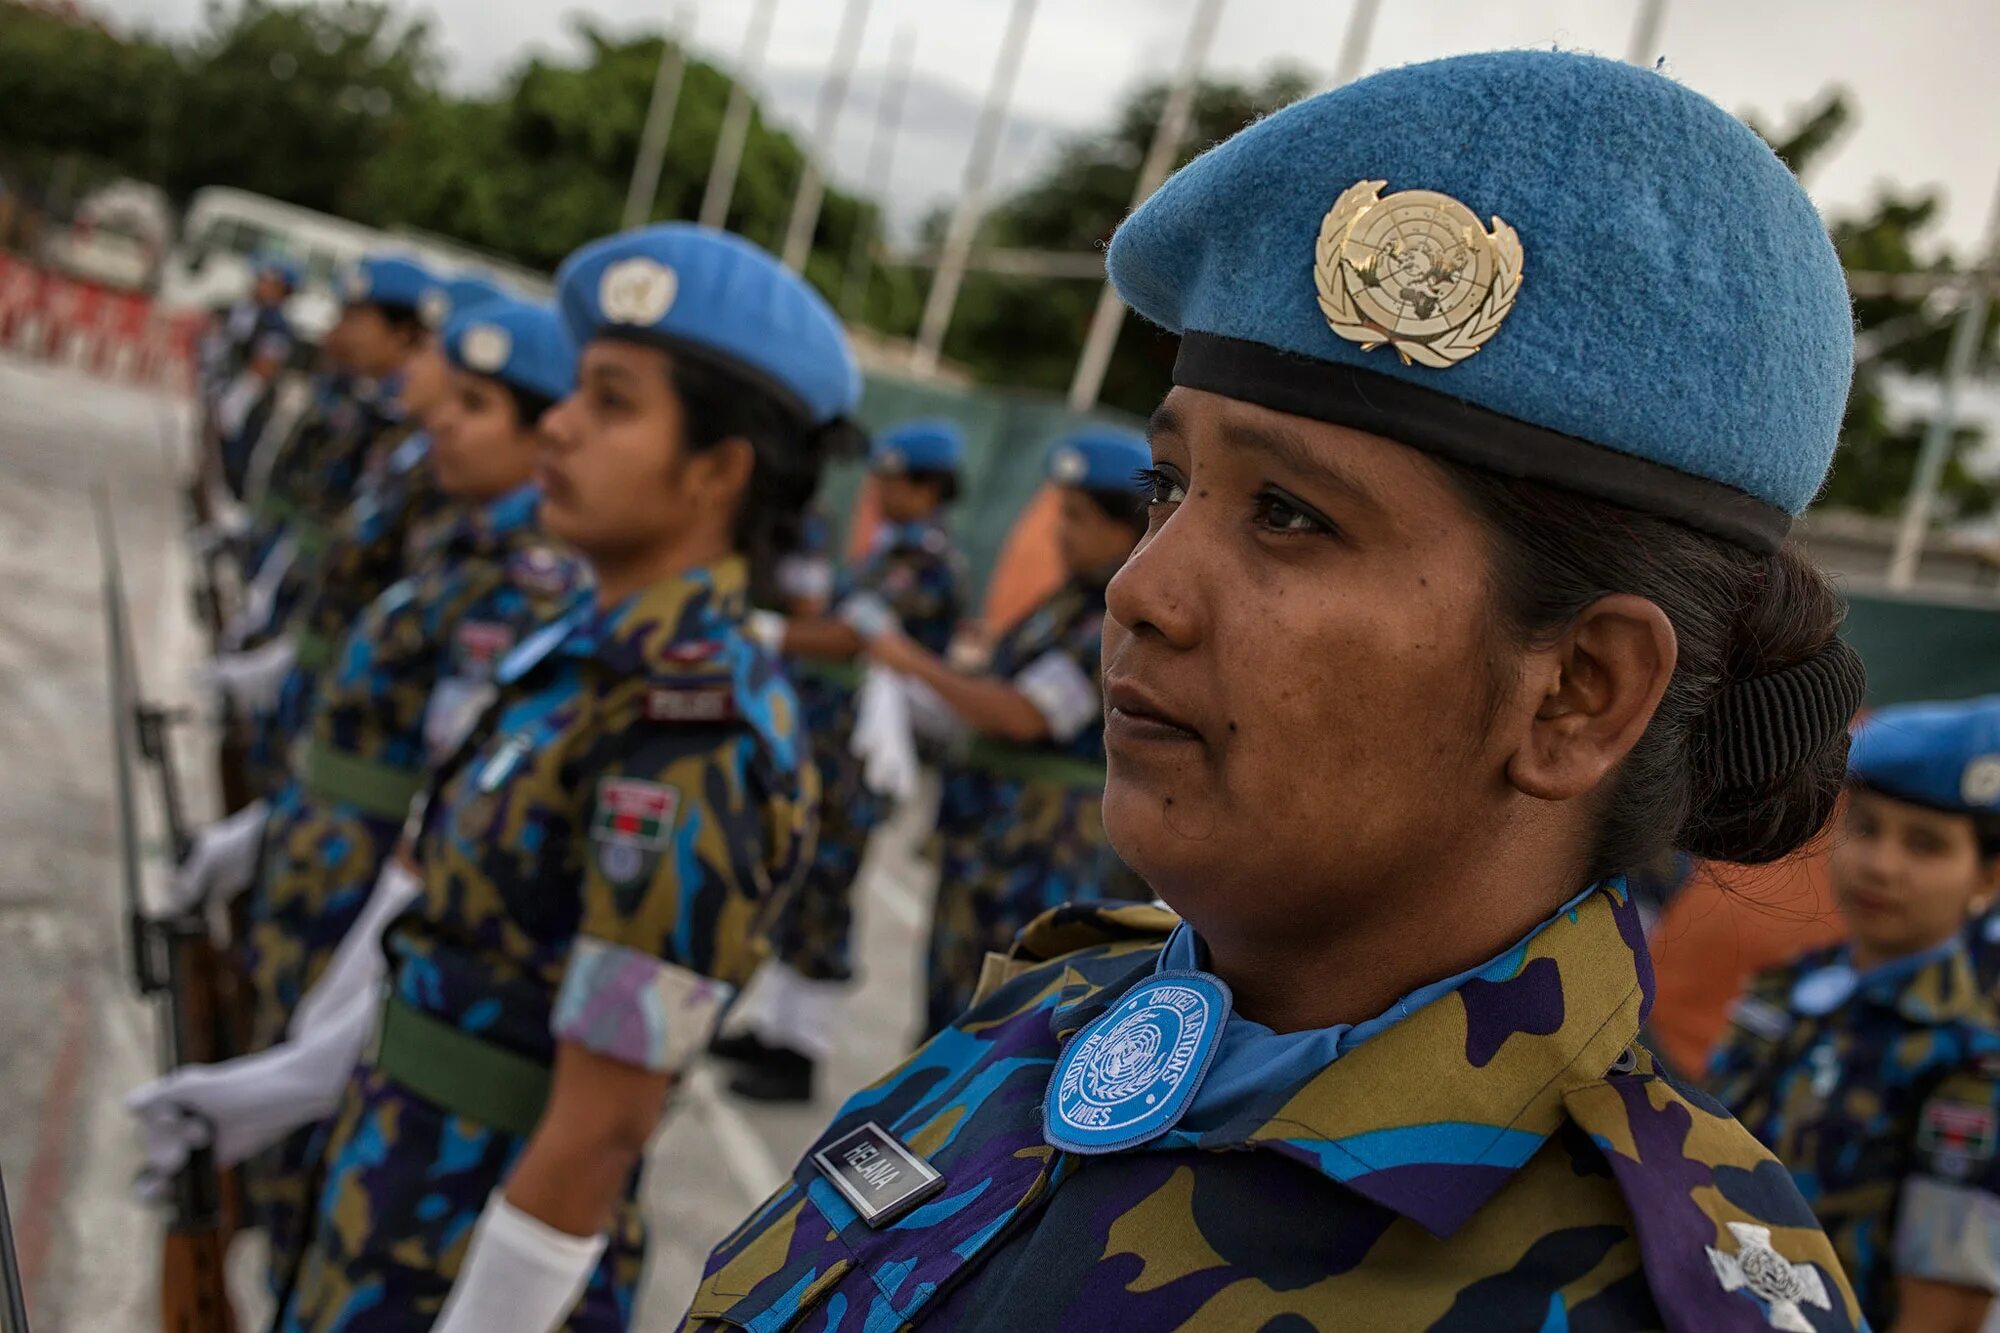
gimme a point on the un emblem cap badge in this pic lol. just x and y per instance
(1414, 271)
(1133, 1071)
(637, 292)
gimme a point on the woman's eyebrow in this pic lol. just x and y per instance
(1293, 452)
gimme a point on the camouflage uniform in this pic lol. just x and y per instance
(1502, 1157)
(600, 862)
(1884, 1107)
(407, 682)
(1012, 844)
(914, 569)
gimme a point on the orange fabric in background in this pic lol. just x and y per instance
(1727, 925)
(1030, 564)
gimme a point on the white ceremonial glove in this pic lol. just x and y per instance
(229, 523)
(260, 599)
(245, 1105)
(358, 966)
(930, 716)
(767, 629)
(232, 409)
(869, 616)
(253, 680)
(520, 1276)
(221, 863)
(882, 739)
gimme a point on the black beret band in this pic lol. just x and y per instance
(1764, 728)
(1437, 423)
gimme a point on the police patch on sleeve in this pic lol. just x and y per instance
(1133, 1071)
(630, 826)
(1957, 1134)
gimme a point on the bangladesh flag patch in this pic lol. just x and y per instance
(636, 814)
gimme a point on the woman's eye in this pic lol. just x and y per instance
(1278, 513)
(1161, 487)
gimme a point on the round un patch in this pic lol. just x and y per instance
(1133, 1071)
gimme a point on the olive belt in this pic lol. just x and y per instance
(373, 788)
(459, 1072)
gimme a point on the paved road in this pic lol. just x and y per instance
(72, 1037)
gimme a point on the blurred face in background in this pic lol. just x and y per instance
(616, 476)
(1091, 540)
(270, 290)
(426, 379)
(481, 449)
(905, 499)
(375, 345)
(1906, 877)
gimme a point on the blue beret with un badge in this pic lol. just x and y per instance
(1102, 459)
(933, 444)
(392, 281)
(1944, 755)
(715, 297)
(516, 342)
(1549, 265)
(452, 295)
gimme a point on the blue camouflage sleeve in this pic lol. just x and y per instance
(1948, 1208)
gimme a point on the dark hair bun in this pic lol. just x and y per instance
(1770, 755)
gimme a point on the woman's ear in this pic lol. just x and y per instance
(721, 474)
(1603, 679)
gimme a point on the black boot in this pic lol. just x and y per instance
(778, 1075)
(742, 1048)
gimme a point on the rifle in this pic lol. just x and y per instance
(174, 960)
(13, 1300)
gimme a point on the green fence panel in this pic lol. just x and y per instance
(1921, 648)
(1007, 437)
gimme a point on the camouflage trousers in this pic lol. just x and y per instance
(404, 1184)
(1008, 851)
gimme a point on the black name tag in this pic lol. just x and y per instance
(878, 1175)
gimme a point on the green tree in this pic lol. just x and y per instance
(74, 90)
(1029, 332)
(1904, 334)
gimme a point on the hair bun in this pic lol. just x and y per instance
(1761, 729)
(838, 439)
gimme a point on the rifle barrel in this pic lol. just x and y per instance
(13, 1299)
(145, 968)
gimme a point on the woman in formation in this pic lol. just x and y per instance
(599, 860)
(1872, 1069)
(1465, 588)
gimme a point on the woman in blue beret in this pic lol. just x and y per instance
(600, 857)
(241, 363)
(1020, 828)
(1465, 587)
(400, 691)
(1872, 1069)
(912, 578)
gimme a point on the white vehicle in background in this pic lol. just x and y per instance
(226, 231)
(116, 238)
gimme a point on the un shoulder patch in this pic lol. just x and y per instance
(1133, 1071)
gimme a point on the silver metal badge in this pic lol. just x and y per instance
(485, 348)
(1780, 1284)
(1069, 467)
(1980, 787)
(637, 291)
(877, 1174)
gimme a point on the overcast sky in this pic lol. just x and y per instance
(1921, 71)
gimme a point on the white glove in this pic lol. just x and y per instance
(221, 863)
(521, 1275)
(930, 716)
(882, 740)
(253, 680)
(232, 409)
(358, 967)
(245, 1105)
(228, 524)
(766, 628)
(260, 599)
(868, 615)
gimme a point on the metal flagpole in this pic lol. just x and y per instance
(1645, 48)
(736, 120)
(812, 176)
(1936, 452)
(881, 158)
(972, 193)
(1354, 43)
(652, 156)
(1109, 317)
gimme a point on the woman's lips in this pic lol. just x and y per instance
(1137, 716)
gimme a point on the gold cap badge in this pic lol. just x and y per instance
(1415, 271)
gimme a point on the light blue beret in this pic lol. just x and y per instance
(453, 295)
(516, 342)
(1100, 458)
(706, 293)
(1945, 755)
(394, 281)
(1625, 293)
(281, 267)
(931, 444)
